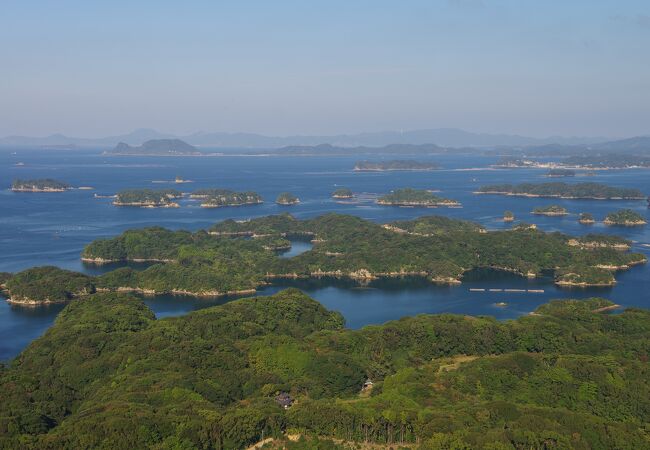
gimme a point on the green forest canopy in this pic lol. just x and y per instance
(107, 374)
(224, 258)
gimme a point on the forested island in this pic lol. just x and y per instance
(216, 198)
(414, 197)
(553, 210)
(508, 216)
(287, 199)
(393, 165)
(108, 374)
(595, 191)
(625, 217)
(225, 260)
(156, 147)
(586, 219)
(343, 193)
(39, 185)
(148, 198)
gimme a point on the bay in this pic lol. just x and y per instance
(52, 229)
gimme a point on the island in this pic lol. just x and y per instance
(435, 248)
(39, 185)
(553, 210)
(148, 198)
(415, 197)
(558, 173)
(181, 180)
(287, 199)
(343, 193)
(393, 165)
(595, 191)
(508, 216)
(156, 147)
(217, 198)
(586, 219)
(626, 218)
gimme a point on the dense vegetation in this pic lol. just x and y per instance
(147, 197)
(603, 240)
(552, 210)
(440, 225)
(625, 217)
(109, 375)
(39, 185)
(214, 198)
(398, 164)
(508, 216)
(441, 249)
(287, 198)
(343, 193)
(564, 190)
(414, 197)
(47, 285)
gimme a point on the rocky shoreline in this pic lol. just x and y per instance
(147, 204)
(214, 205)
(419, 204)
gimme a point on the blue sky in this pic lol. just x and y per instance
(533, 67)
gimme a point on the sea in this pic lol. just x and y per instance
(52, 228)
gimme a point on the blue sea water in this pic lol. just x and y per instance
(52, 228)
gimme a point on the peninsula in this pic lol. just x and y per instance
(595, 191)
(148, 198)
(156, 147)
(626, 218)
(415, 197)
(217, 198)
(109, 374)
(553, 210)
(39, 185)
(287, 199)
(393, 165)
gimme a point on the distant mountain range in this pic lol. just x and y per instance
(177, 147)
(444, 137)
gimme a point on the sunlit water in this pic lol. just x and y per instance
(39, 229)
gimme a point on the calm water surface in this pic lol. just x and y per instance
(38, 229)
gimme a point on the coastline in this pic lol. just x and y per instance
(565, 197)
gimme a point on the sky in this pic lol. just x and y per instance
(531, 67)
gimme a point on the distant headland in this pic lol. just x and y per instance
(595, 191)
(156, 147)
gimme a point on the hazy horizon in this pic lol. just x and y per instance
(286, 68)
